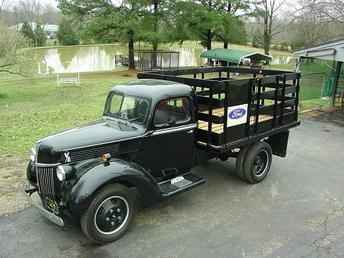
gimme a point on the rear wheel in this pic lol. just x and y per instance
(257, 162)
(240, 162)
(109, 214)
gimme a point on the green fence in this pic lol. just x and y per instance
(317, 83)
(312, 86)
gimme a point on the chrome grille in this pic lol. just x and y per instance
(46, 180)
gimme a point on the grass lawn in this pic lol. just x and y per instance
(315, 103)
(33, 108)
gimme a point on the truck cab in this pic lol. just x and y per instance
(165, 110)
(144, 140)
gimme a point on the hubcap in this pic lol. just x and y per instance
(111, 215)
(261, 163)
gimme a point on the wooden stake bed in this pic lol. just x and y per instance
(272, 94)
(218, 128)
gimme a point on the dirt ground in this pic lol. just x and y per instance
(12, 170)
(332, 116)
(12, 181)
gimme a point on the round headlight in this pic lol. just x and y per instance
(33, 155)
(61, 173)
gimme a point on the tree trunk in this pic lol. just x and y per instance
(131, 50)
(229, 7)
(154, 62)
(209, 38)
(225, 44)
(267, 43)
(267, 35)
(155, 55)
(209, 45)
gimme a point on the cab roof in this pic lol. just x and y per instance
(153, 89)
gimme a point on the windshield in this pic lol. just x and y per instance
(129, 108)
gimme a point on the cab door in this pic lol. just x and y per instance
(169, 150)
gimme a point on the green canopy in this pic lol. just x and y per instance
(235, 56)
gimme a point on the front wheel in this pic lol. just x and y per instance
(109, 215)
(257, 162)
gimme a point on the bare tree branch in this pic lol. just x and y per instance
(267, 10)
(12, 55)
(3, 5)
(327, 10)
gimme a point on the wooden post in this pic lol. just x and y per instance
(335, 87)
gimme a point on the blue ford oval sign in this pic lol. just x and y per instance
(237, 113)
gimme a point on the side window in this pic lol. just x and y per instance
(172, 112)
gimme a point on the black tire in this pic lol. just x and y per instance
(257, 162)
(109, 215)
(240, 162)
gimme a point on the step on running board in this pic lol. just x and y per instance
(180, 184)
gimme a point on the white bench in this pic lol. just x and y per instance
(71, 78)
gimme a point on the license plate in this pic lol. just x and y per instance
(36, 201)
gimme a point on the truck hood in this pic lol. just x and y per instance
(98, 133)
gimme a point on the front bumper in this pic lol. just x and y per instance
(36, 201)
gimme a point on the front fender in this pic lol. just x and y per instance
(117, 171)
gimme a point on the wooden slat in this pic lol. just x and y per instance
(218, 128)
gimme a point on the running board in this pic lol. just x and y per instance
(180, 184)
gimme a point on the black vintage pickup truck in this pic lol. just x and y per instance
(152, 133)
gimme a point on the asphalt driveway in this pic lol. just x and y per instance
(297, 212)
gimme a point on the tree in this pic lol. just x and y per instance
(331, 10)
(50, 15)
(206, 20)
(198, 20)
(28, 10)
(157, 24)
(11, 55)
(19, 11)
(309, 25)
(266, 11)
(37, 36)
(28, 32)
(40, 36)
(3, 5)
(66, 35)
(110, 20)
(231, 28)
(257, 41)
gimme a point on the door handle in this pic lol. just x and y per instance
(190, 132)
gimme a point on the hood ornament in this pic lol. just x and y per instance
(67, 157)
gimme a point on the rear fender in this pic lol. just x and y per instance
(279, 144)
(117, 171)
